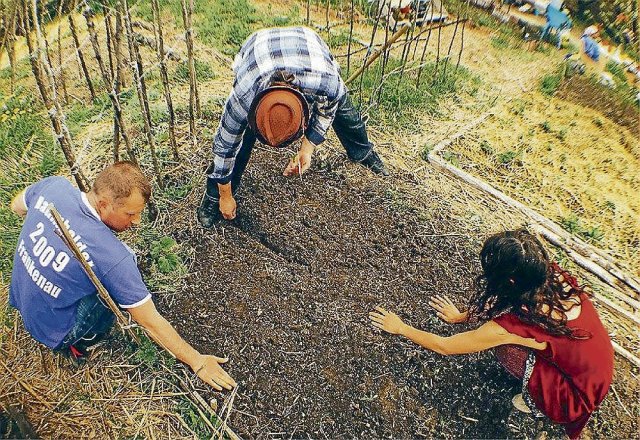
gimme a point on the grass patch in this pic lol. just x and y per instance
(29, 154)
(226, 23)
(550, 83)
(397, 102)
(574, 225)
(204, 72)
(80, 116)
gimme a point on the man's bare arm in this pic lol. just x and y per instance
(205, 366)
(17, 204)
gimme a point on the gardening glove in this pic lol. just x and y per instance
(228, 207)
(446, 310)
(212, 373)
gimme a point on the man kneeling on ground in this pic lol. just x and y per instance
(58, 302)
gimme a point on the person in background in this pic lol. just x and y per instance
(589, 43)
(545, 329)
(59, 304)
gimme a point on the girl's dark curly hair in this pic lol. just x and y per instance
(518, 277)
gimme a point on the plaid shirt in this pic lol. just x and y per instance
(299, 51)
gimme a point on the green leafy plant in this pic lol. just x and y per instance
(424, 154)
(592, 234)
(571, 223)
(507, 157)
(550, 83)
(164, 256)
(486, 147)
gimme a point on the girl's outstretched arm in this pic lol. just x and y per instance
(487, 336)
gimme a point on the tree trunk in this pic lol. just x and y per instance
(83, 66)
(165, 77)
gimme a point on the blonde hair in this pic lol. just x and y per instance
(120, 179)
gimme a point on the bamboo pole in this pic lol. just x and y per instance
(83, 65)
(102, 291)
(164, 76)
(377, 53)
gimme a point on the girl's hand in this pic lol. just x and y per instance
(387, 321)
(446, 310)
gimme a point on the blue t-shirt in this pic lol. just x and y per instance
(47, 281)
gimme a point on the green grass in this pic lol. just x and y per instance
(398, 101)
(550, 83)
(574, 225)
(226, 23)
(79, 116)
(204, 72)
(29, 154)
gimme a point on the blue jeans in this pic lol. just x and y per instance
(92, 318)
(347, 124)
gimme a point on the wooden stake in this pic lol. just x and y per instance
(194, 101)
(93, 37)
(43, 73)
(157, 29)
(83, 65)
(141, 88)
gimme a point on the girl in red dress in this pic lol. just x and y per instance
(544, 326)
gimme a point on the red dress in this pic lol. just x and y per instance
(570, 377)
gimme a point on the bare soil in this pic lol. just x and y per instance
(284, 290)
(582, 91)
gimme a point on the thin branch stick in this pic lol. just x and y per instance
(88, 16)
(377, 53)
(141, 88)
(157, 29)
(83, 65)
(350, 37)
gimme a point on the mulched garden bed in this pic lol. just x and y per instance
(284, 291)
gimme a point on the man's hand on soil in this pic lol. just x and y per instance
(228, 207)
(210, 372)
(387, 321)
(301, 161)
(446, 310)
